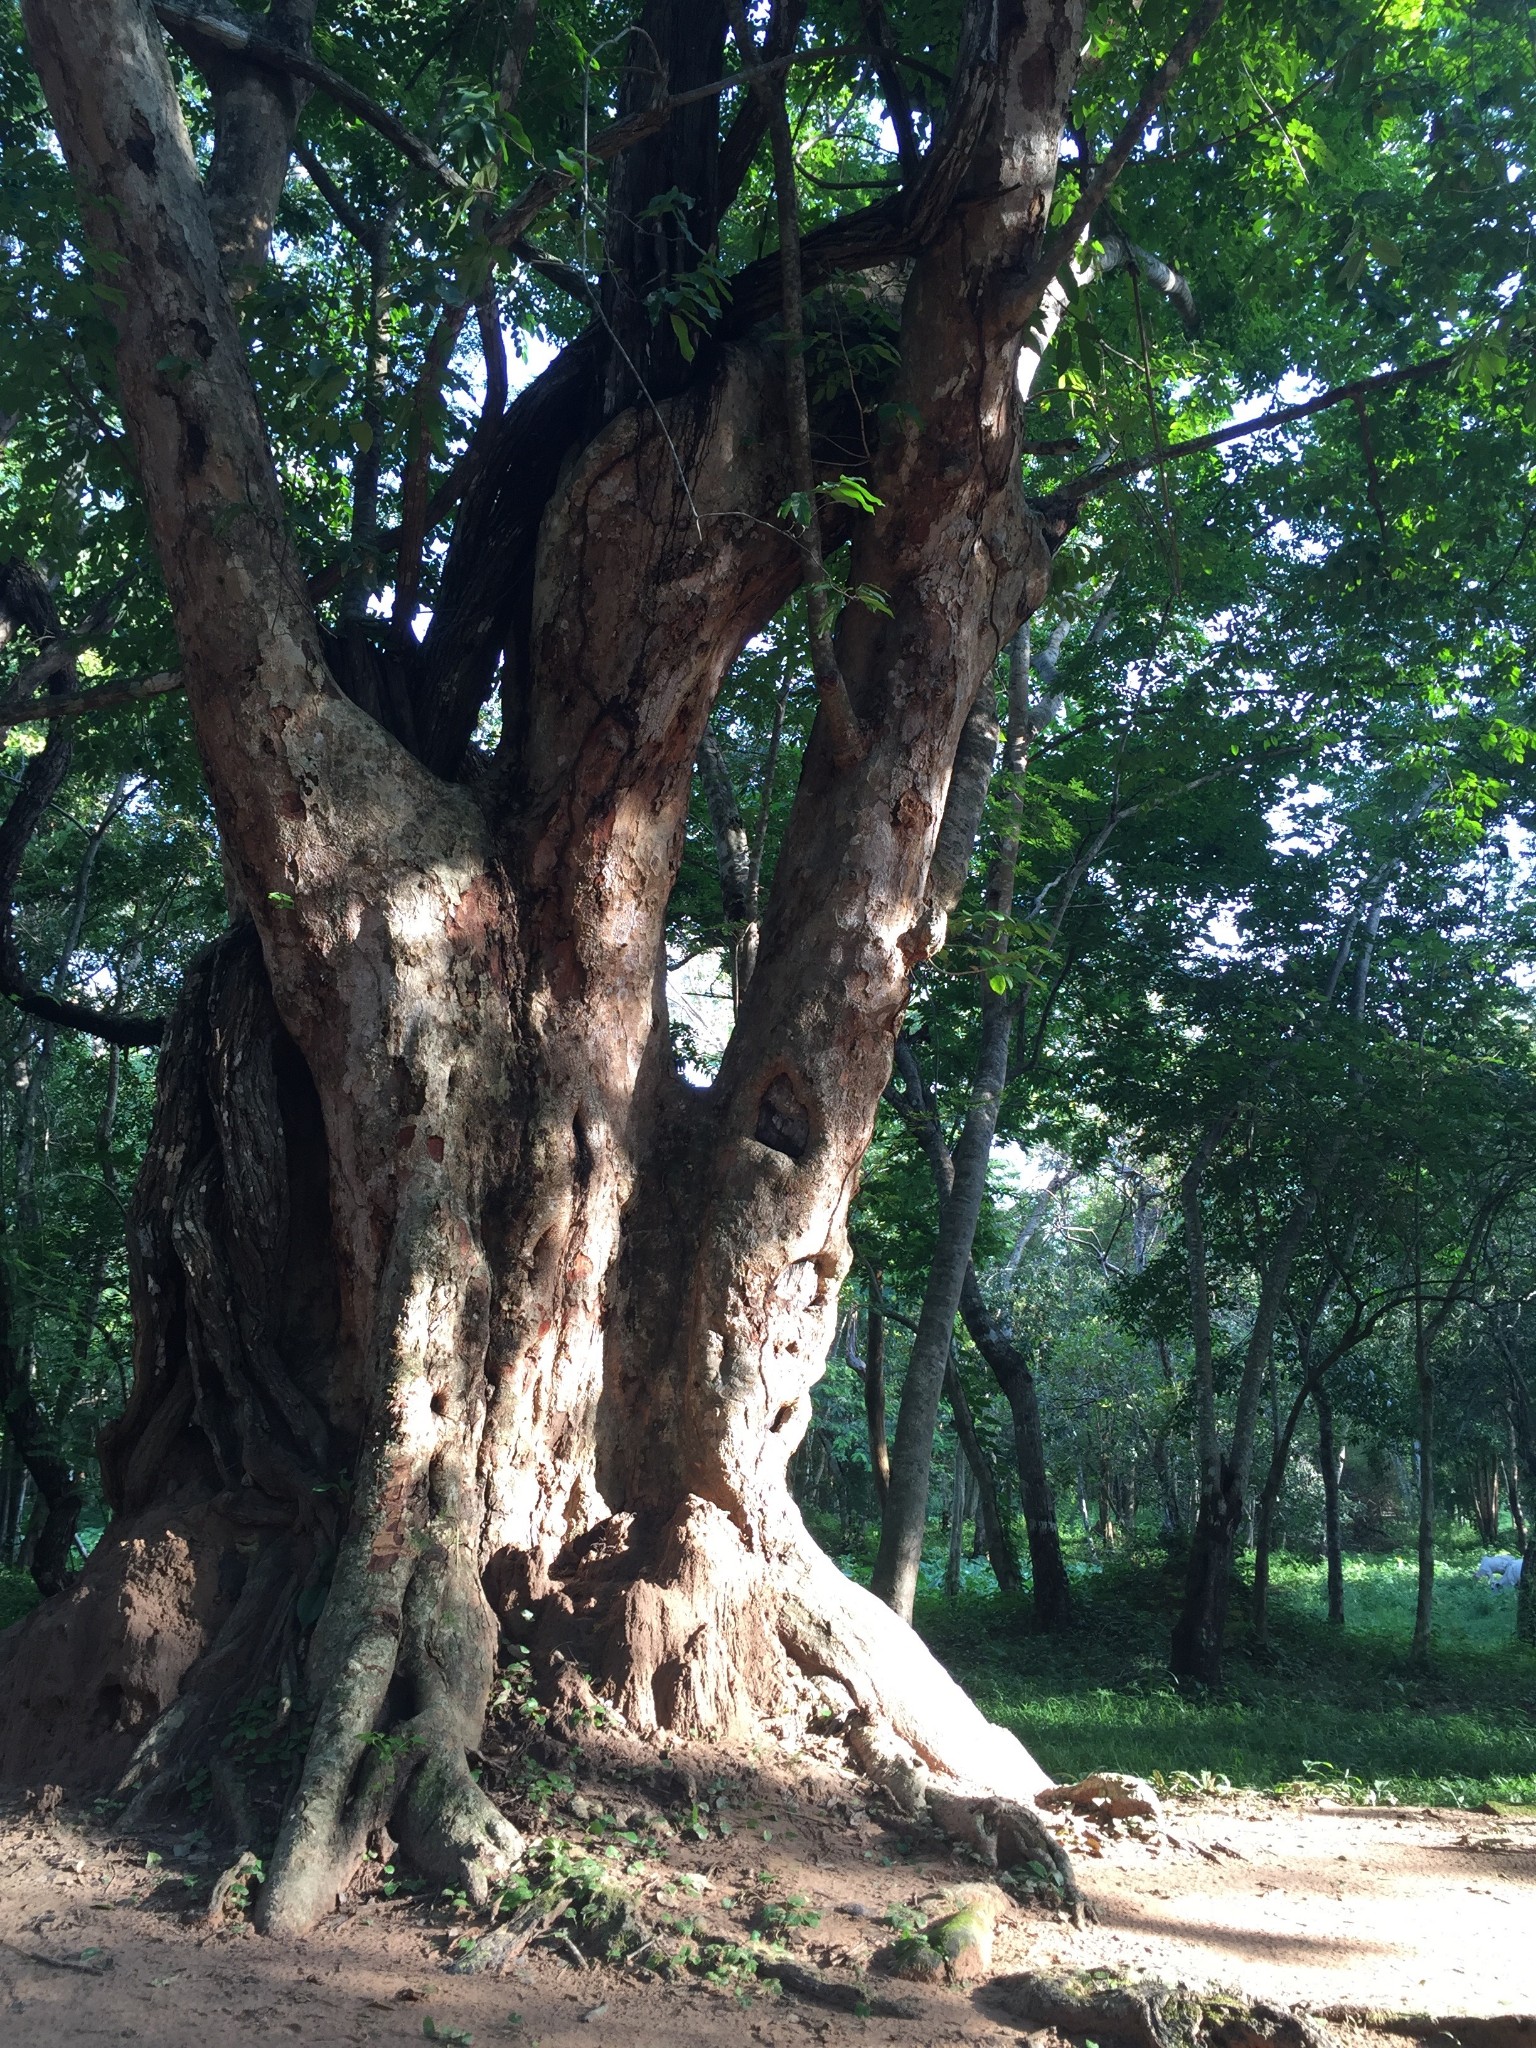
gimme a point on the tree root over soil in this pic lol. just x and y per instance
(1144, 2013)
(1442, 2030)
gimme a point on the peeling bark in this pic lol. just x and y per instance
(451, 1298)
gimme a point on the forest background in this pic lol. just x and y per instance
(1232, 1034)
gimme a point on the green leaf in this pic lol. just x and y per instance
(851, 490)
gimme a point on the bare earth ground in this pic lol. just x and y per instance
(104, 1938)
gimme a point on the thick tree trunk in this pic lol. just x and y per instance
(453, 1301)
(1330, 1458)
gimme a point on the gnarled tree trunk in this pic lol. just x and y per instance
(453, 1299)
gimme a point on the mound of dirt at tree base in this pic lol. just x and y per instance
(673, 1900)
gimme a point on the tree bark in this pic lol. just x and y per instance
(1330, 1458)
(452, 1299)
(874, 1397)
(991, 1526)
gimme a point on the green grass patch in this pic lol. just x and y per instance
(1344, 1708)
(18, 1595)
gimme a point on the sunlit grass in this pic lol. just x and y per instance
(1343, 1707)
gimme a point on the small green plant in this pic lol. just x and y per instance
(390, 1747)
(461, 2037)
(796, 1911)
(238, 1895)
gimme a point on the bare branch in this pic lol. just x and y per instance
(356, 226)
(1121, 254)
(81, 702)
(1072, 493)
(25, 599)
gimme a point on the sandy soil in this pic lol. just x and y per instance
(107, 1939)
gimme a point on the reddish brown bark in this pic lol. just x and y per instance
(453, 1298)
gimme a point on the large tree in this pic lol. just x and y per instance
(458, 1308)
(454, 1300)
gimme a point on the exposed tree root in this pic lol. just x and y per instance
(1140, 2012)
(917, 1734)
(689, 1628)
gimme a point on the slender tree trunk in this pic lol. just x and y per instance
(1264, 1512)
(1169, 1507)
(1051, 1592)
(991, 1528)
(1522, 1429)
(874, 1396)
(1330, 1458)
(1200, 1632)
(1424, 1606)
(1512, 1468)
(12, 1489)
(29, 1428)
(959, 1495)
(1483, 1478)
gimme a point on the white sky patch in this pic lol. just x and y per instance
(528, 356)
(699, 997)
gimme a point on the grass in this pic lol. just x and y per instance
(18, 1595)
(1343, 1708)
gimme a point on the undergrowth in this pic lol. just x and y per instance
(1343, 1710)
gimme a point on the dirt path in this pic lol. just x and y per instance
(1420, 1912)
(107, 1940)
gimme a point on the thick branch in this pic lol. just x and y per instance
(192, 28)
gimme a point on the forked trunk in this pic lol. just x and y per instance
(455, 1303)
